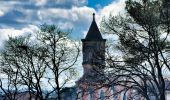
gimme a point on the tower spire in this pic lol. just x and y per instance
(93, 16)
(94, 33)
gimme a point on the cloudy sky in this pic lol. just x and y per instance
(19, 17)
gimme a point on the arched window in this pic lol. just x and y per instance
(90, 95)
(102, 95)
(124, 96)
(114, 92)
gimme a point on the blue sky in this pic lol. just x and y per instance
(98, 3)
(21, 17)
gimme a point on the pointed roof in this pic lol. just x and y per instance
(94, 33)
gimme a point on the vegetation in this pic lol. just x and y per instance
(40, 64)
(43, 63)
(143, 33)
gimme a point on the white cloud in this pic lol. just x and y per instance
(1, 13)
(5, 33)
(40, 2)
(73, 14)
(66, 25)
(12, 32)
(84, 33)
(110, 37)
(114, 8)
(4, 8)
(58, 3)
(77, 18)
(73, 2)
(15, 32)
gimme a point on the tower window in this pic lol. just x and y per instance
(114, 92)
(124, 96)
(90, 94)
(102, 95)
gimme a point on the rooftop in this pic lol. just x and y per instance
(94, 33)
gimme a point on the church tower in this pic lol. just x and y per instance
(93, 78)
(93, 50)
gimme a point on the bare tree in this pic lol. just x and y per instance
(42, 62)
(10, 69)
(61, 56)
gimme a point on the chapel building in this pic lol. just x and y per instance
(92, 85)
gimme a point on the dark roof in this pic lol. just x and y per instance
(94, 33)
